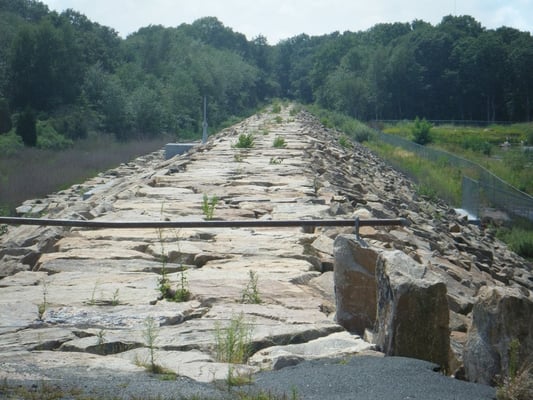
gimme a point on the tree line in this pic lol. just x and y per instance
(81, 77)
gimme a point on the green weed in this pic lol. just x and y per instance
(182, 292)
(100, 337)
(150, 335)
(518, 384)
(345, 142)
(233, 343)
(279, 142)
(92, 301)
(245, 141)
(519, 238)
(115, 299)
(236, 379)
(41, 308)
(250, 294)
(421, 131)
(208, 206)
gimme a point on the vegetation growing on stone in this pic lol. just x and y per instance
(250, 294)
(233, 343)
(279, 142)
(209, 205)
(245, 141)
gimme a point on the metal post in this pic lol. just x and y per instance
(204, 135)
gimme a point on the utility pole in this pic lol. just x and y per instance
(204, 125)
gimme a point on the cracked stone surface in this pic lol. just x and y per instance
(78, 296)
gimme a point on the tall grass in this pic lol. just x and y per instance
(34, 173)
(436, 178)
(233, 344)
(355, 129)
(482, 145)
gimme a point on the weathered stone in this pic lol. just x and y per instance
(412, 316)
(11, 265)
(355, 283)
(336, 345)
(500, 316)
(102, 284)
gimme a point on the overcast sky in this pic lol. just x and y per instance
(282, 19)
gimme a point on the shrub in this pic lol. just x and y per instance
(74, 125)
(421, 131)
(5, 116)
(276, 108)
(477, 144)
(515, 160)
(345, 142)
(26, 128)
(520, 240)
(49, 138)
(362, 133)
(279, 142)
(530, 137)
(246, 141)
(10, 144)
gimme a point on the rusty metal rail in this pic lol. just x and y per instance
(256, 223)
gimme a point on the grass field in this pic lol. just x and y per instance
(483, 145)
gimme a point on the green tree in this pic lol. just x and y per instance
(27, 128)
(421, 131)
(147, 111)
(519, 95)
(5, 116)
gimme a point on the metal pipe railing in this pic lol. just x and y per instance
(256, 223)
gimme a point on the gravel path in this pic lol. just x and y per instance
(360, 378)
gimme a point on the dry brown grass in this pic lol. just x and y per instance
(517, 387)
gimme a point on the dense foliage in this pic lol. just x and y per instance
(81, 77)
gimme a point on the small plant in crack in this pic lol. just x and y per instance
(245, 141)
(115, 299)
(316, 185)
(250, 294)
(279, 142)
(182, 292)
(233, 344)
(345, 142)
(100, 337)
(92, 300)
(150, 335)
(208, 206)
(237, 379)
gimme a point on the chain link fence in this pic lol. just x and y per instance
(480, 187)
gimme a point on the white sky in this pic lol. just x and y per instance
(282, 19)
